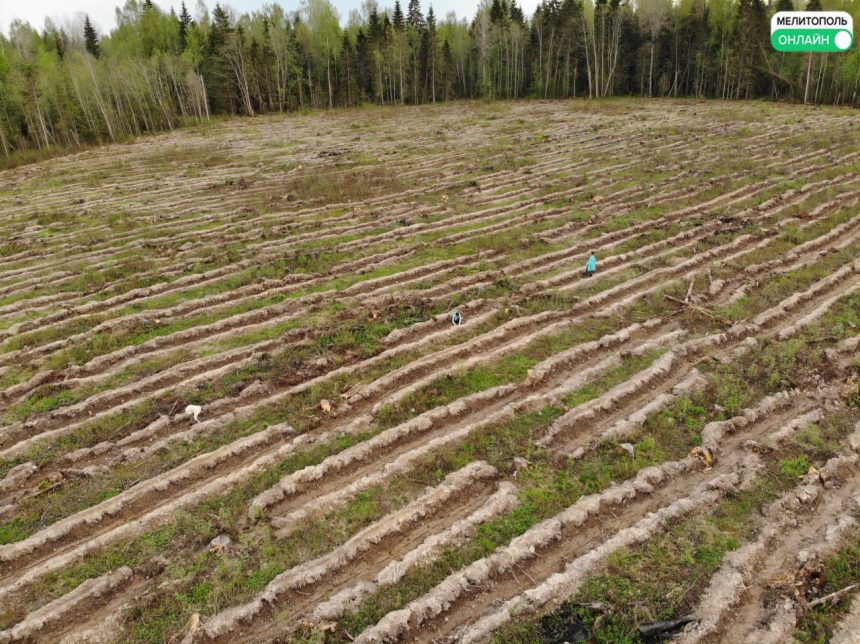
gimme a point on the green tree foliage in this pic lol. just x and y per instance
(184, 24)
(91, 39)
(397, 21)
(413, 14)
(157, 70)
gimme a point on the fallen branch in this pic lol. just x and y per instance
(702, 310)
(834, 597)
(689, 290)
(50, 488)
(531, 579)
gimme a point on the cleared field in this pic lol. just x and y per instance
(364, 470)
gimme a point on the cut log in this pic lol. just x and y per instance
(656, 628)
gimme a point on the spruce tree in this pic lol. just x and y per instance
(517, 15)
(363, 64)
(216, 69)
(91, 38)
(398, 16)
(413, 14)
(497, 14)
(430, 51)
(348, 72)
(750, 32)
(184, 23)
(447, 69)
(374, 27)
(220, 27)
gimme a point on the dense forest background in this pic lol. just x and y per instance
(66, 86)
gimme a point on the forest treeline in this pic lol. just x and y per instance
(66, 86)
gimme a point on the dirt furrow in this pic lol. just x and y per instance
(137, 278)
(563, 435)
(339, 477)
(396, 523)
(797, 530)
(60, 611)
(848, 630)
(296, 594)
(197, 432)
(474, 617)
(477, 585)
(199, 304)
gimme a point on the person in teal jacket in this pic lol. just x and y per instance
(590, 265)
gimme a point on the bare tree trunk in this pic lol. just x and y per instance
(677, 70)
(820, 81)
(433, 72)
(597, 82)
(392, 85)
(328, 79)
(613, 53)
(602, 58)
(205, 95)
(279, 75)
(515, 90)
(540, 52)
(548, 64)
(651, 69)
(674, 90)
(135, 127)
(84, 107)
(156, 98)
(400, 64)
(564, 85)
(348, 84)
(43, 130)
(415, 75)
(4, 141)
(856, 83)
(379, 75)
(178, 90)
(587, 62)
(100, 103)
